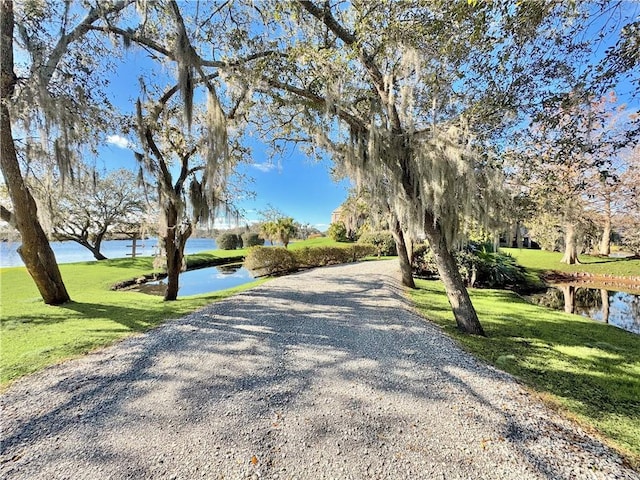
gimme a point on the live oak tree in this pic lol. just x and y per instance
(404, 95)
(183, 129)
(198, 153)
(48, 90)
(90, 207)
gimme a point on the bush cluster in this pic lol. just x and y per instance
(229, 241)
(383, 242)
(279, 261)
(478, 266)
(337, 232)
(251, 239)
(270, 261)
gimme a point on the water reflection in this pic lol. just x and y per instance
(621, 309)
(204, 280)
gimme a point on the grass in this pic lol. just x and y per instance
(589, 370)
(541, 261)
(35, 335)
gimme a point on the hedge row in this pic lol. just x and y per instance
(280, 261)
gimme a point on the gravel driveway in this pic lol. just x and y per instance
(320, 375)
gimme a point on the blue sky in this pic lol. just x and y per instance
(294, 184)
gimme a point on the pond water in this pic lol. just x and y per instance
(69, 252)
(621, 309)
(203, 280)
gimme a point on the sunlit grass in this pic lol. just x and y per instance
(588, 369)
(35, 335)
(542, 260)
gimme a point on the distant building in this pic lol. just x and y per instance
(337, 215)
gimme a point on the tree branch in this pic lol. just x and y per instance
(354, 122)
(82, 28)
(7, 216)
(326, 17)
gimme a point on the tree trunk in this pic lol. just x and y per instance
(605, 243)
(97, 254)
(174, 254)
(409, 244)
(518, 235)
(569, 292)
(94, 249)
(175, 241)
(570, 245)
(403, 256)
(604, 295)
(463, 311)
(35, 251)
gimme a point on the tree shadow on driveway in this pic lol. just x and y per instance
(321, 374)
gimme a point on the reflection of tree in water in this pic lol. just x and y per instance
(628, 307)
(588, 301)
(552, 298)
(229, 269)
(618, 308)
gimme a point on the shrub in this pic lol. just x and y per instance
(228, 241)
(477, 266)
(337, 232)
(251, 239)
(321, 256)
(361, 250)
(270, 261)
(315, 235)
(383, 242)
(279, 261)
(423, 263)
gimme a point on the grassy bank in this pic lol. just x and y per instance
(541, 261)
(35, 335)
(589, 370)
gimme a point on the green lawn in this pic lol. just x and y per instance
(35, 335)
(542, 260)
(588, 369)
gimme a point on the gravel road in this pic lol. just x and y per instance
(325, 374)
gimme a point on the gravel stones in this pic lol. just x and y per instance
(325, 374)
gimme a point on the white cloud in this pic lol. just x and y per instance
(118, 141)
(264, 167)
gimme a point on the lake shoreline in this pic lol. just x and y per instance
(133, 283)
(593, 280)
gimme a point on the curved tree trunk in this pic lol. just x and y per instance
(97, 254)
(570, 245)
(175, 241)
(403, 256)
(35, 251)
(463, 311)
